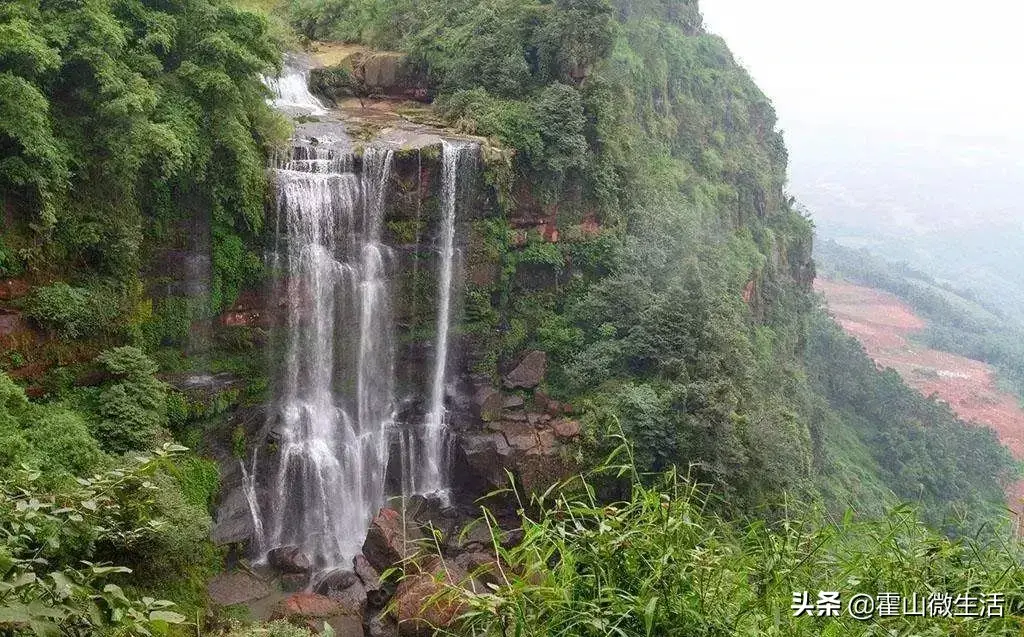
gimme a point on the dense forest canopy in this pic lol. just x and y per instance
(685, 325)
(115, 111)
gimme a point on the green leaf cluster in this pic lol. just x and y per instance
(50, 580)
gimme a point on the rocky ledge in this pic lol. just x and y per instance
(438, 547)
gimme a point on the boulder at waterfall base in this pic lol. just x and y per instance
(429, 599)
(290, 559)
(389, 540)
(301, 606)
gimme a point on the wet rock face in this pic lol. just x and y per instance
(346, 588)
(290, 559)
(294, 582)
(376, 595)
(233, 524)
(487, 455)
(236, 587)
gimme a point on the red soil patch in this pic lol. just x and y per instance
(884, 325)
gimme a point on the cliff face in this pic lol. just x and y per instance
(625, 251)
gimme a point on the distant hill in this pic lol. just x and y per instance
(980, 323)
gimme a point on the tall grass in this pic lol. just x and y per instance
(659, 563)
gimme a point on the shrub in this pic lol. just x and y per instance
(46, 586)
(658, 563)
(170, 323)
(179, 557)
(63, 440)
(132, 410)
(13, 401)
(199, 480)
(73, 312)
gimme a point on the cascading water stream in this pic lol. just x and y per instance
(291, 90)
(321, 478)
(428, 470)
(336, 400)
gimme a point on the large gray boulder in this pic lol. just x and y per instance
(290, 559)
(346, 588)
(234, 519)
(529, 372)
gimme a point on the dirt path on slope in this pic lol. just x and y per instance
(884, 325)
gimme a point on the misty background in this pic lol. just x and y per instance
(903, 123)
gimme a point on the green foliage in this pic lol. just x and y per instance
(46, 537)
(199, 479)
(178, 561)
(541, 252)
(62, 436)
(150, 111)
(238, 442)
(54, 441)
(547, 132)
(925, 454)
(75, 312)
(53, 437)
(171, 321)
(659, 563)
(11, 265)
(133, 409)
(235, 266)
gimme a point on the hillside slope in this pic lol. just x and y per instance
(887, 327)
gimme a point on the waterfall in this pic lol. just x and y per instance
(291, 90)
(249, 489)
(334, 413)
(335, 401)
(427, 468)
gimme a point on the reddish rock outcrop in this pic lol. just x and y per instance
(11, 289)
(529, 445)
(300, 606)
(389, 540)
(428, 600)
(565, 429)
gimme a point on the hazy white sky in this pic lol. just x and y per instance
(918, 100)
(910, 63)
